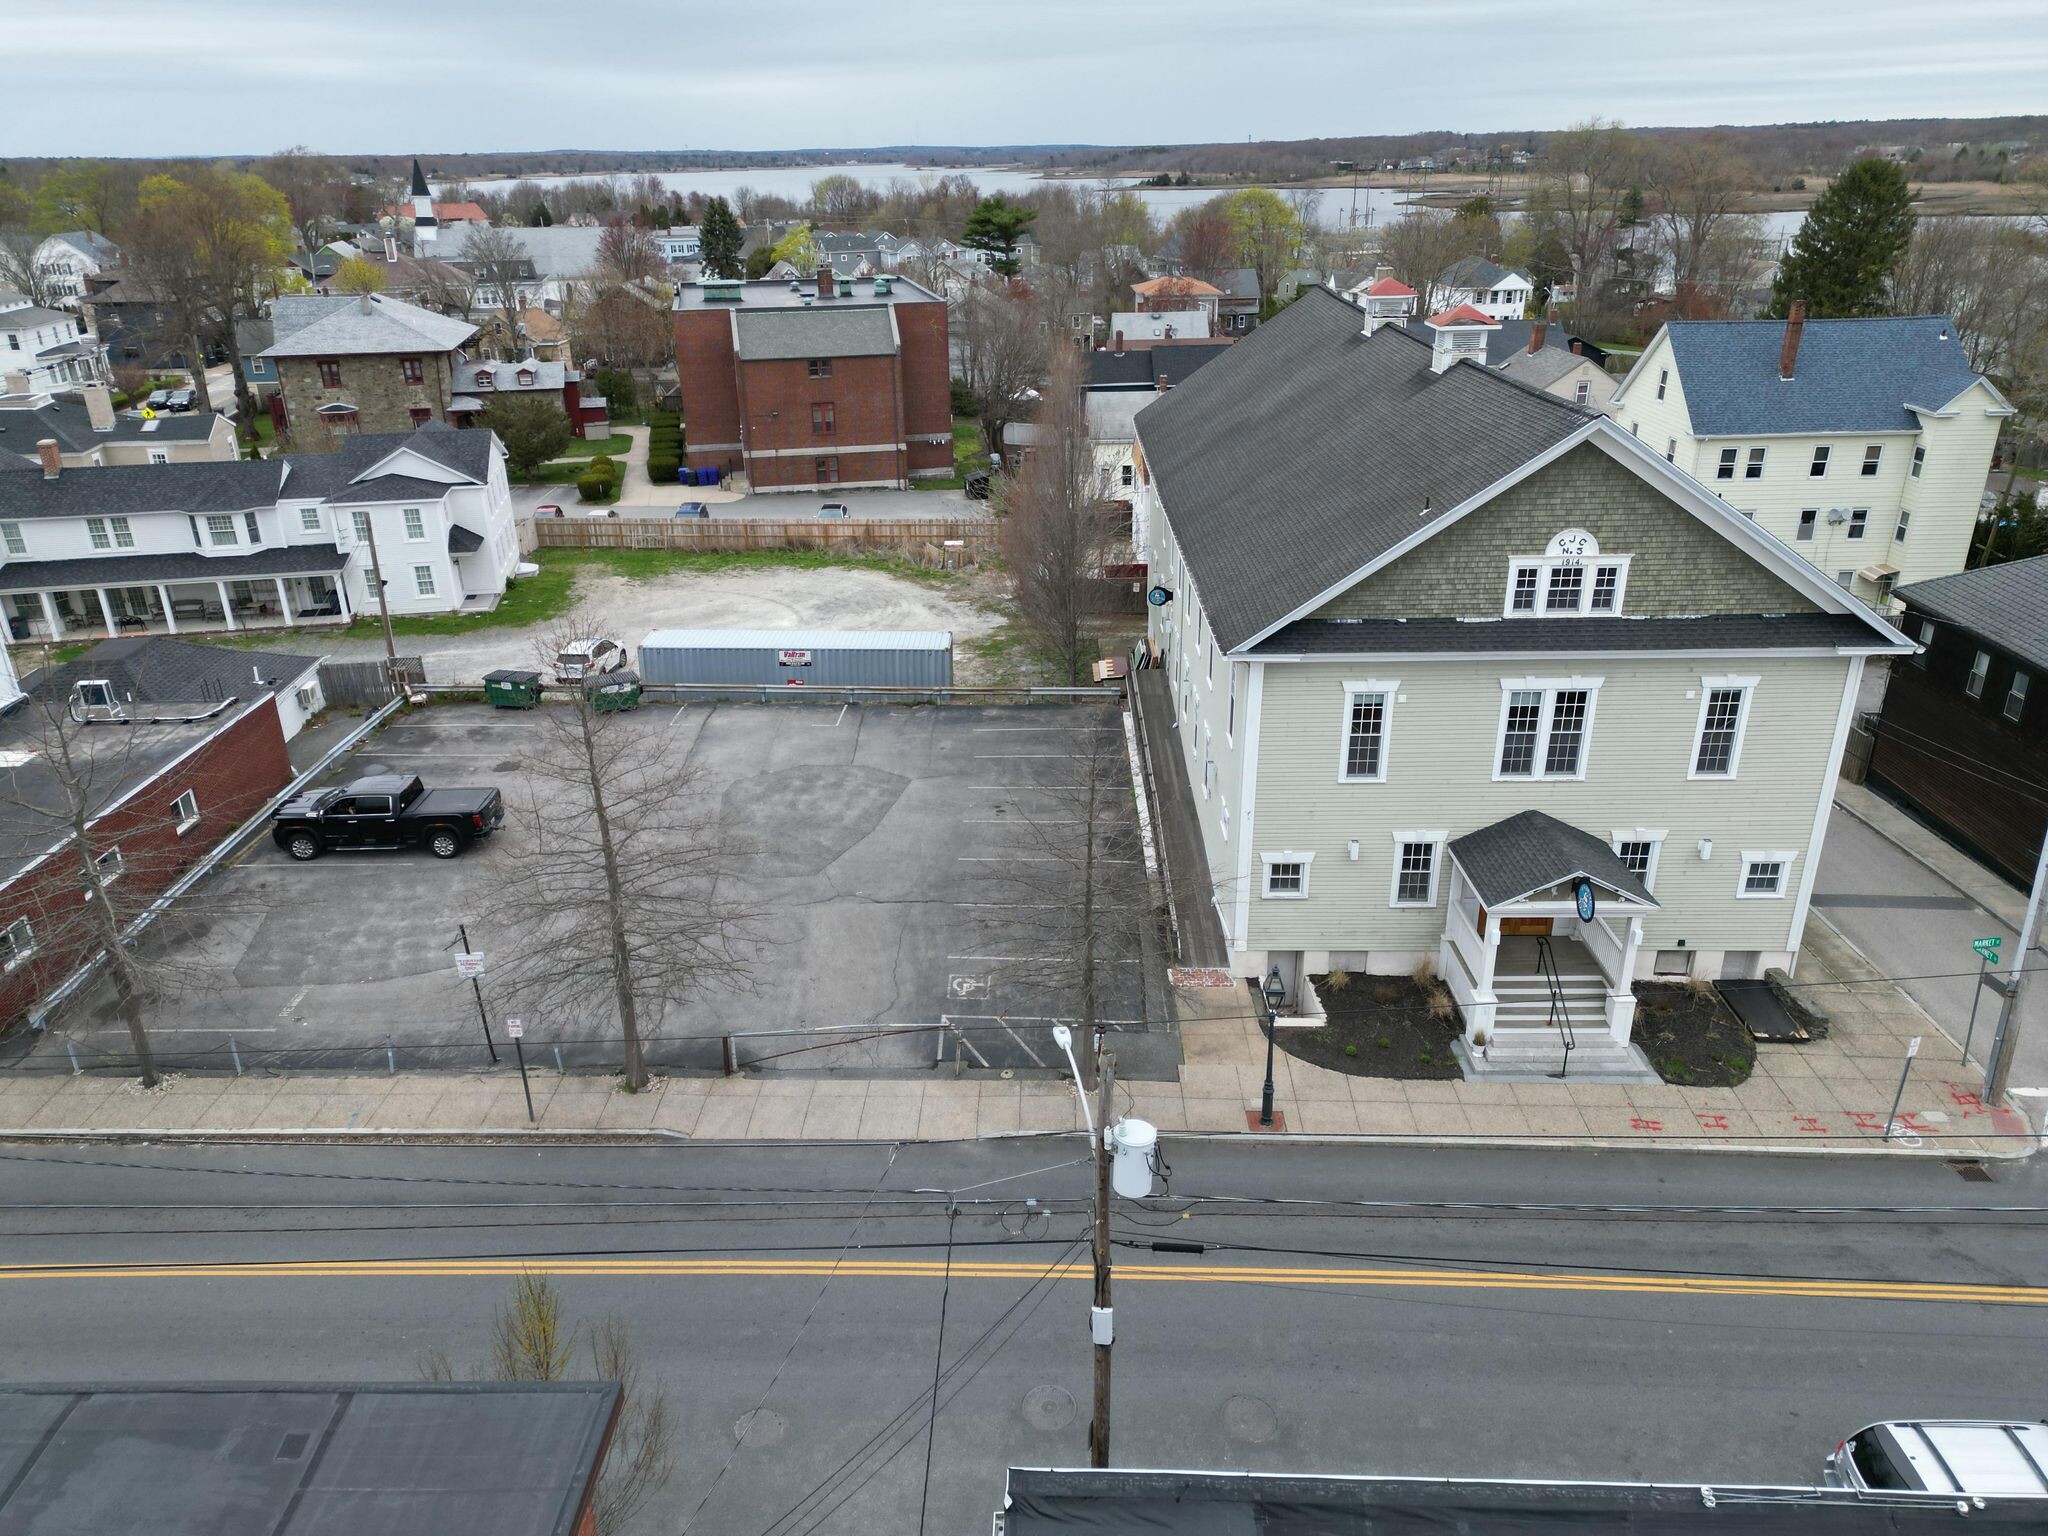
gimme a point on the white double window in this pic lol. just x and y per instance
(1546, 727)
(1569, 579)
(110, 533)
(1418, 856)
(1286, 875)
(1362, 756)
(1764, 875)
(1724, 718)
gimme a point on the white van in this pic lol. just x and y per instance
(1960, 1456)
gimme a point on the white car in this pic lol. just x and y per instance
(1950, 1456)
(588, 658)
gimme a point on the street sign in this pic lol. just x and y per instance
(515, 1029)
(1912, 1048)
(1987, 947)
(1582, 894)
(469, 965)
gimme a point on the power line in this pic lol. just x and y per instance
(931, 1427)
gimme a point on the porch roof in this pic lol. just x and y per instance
(138, 570)
(1531, 852)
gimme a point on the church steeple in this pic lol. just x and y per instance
(425, 227)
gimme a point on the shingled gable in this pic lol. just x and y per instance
(1312, 456)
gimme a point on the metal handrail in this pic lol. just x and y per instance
(1560, 1012)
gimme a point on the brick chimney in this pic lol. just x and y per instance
(53, 462)
(1540, 332)
(1795, 324)
(99, 407)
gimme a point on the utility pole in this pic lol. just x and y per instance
(2004, 1042)
(1102, 1317)
(383, 608)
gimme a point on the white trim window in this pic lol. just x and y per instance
(1754, 469)
(1725, 469)
(1899, 530)
(1919, 460)
(1808, 518)
(1670, 450)
(1980, 668)
(1418, 856)
(17, 943)
(1765, 876)
(1873, 459)
(1663, 378)
(109, 867)
(1362, 756)
(1286, 875)
(1818, 469)
(185, 812)
(1230, 704)
(1723, 722)
(221, 531)
(1546, 727)
(309, 520)
(1859, 522)
(159, 455)
(96, 530)
(2016, 696)
(415, 526)
(1570, 579)
(1639, 849)
(423, 580)
(10, 536)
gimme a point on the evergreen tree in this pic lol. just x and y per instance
(719, 236)
(994, 227)
(542, 219)
(1841, 260)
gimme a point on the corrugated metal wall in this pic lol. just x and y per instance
(919, 666)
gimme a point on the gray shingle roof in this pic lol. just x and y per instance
(1530, 851)
(1705, 632)
(1146, 368)
(1240, 284)
(1852, 375)
(559, 250)
(121, 570)
(832, 328)
(463, 541)
(390, 488)
(2006, 604)
(1541, 368)
(1308, 450)
(1504, 341)
(66, 419)
(1476, 272)
(122, 490)
(321, 475)
(343, 325)
(157, 669)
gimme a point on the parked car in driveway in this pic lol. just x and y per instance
(693, 509)
(834, 512)
(182, 400)
(159, 400)
(1950, 1456)
(386, 810)
(547, 509)
(587, 658)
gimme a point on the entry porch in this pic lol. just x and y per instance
(52, 602)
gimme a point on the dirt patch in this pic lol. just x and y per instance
(1691, 1037)
(1379, 1026)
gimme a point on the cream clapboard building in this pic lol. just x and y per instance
(1863, 444)
(1442, 646)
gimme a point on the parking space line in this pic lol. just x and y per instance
(1036, 1059)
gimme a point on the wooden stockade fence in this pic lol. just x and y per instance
(934, 541)
(364, 684)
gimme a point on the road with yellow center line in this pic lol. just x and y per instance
(1481, 1279)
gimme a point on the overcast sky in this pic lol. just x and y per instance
(206, 77)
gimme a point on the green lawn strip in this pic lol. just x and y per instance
(618, 445)
(968, 458)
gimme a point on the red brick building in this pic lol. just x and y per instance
(815, 386)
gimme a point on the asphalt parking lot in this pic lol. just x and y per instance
(897, 853)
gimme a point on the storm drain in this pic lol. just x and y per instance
(1971, 1171)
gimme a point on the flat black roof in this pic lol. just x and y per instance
(1112, 1503)
(376, 1459)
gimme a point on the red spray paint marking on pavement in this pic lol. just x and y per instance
(1809, 1124)
(1638, 1123)
(1711, 1122)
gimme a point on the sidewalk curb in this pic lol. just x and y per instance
(652, 1136)
(1968, 895)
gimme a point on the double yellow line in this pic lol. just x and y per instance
(859, 1268)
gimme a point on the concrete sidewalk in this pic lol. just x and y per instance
(1928, 847)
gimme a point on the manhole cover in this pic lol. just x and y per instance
(1049, 1407)
(1250, 1419)
(510, 765)
(762, 1426)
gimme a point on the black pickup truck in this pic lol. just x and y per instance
(386, 811)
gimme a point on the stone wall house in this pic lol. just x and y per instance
(354, 364)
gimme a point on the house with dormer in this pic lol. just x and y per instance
(181, 548)
(1861, 443)
(350, 364)
(1462, 673)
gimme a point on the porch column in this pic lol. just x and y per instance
(50, 616)
(1621, 997)
(284, 600)
(107, 612)
(340, 580)
(227, 607)
(163, 595)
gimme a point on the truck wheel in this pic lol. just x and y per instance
(443, 843)
(303, 846)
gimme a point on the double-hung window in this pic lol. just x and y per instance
(1364, 758)
(1754, 469)
(1724, 717)
(1416, 859)
(1566, 590)
(362, 522)
(1926, 638)
(1663, 379)
(1819, 467)
(1873, 456)
(2015, 697)
(221, 531)
(1859, 522)
(309, 519)
(1808, 517)
(1899, 529)
(17, 943)
(415, 526)
(1919, 461)
(96, 530)
(1670, 450)
(1725, 469)
(1522, 590)
(124, 536)
(10, 536)
(1638, 848)
(423, 580)
(1980, 668)
(1764, 874)
(1546, 728)
(822, 423)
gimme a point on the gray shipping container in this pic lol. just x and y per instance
(810, 658)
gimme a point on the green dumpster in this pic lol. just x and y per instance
(512, 690)
(608, 691)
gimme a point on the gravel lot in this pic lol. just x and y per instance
(757, 597)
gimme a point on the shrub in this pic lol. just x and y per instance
(1425, 971)
(1337, 980)
(656, 420)
(1384, 1043)
(1440, 1002)
(668, 440)
(661, 470)
(1350, 1050)
(965, 403)
(593, 487)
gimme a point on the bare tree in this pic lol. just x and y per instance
(1586, 177)
(620, 324)
(1000, 353)
(315, 187)
(499, 263)
(620, 902)
(532, 1340)
(1055, 528)
(1420, 245)
(628, 253)
(1696, 188)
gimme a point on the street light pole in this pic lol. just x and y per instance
(1101, 1314)
(2004, 1042)
(1270, 994)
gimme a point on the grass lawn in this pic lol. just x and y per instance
(968, 457)
(617, 445)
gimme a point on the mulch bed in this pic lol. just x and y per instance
(1378, 1026)
(1691, 1037)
